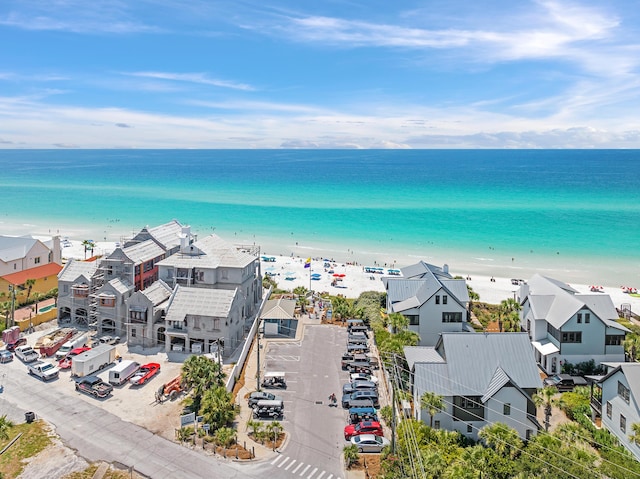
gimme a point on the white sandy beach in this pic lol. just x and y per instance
(356, 281)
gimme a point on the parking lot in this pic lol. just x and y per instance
(130, 403)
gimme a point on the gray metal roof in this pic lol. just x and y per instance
(15, 247)
(142, 252)
(213, 303)
(631, 372)
(556, 303)
(422, 269)
(158, 292)
(404, 294)
(74, 269)
(210, 252)
(279, 309)
(472, 361)
(421, 354)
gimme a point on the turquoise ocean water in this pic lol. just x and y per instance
(571, 214)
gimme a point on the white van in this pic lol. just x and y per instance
(77, 342)
(122, 371)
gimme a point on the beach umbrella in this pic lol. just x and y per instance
(341, 275)
(336, 275)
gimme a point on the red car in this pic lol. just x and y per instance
(364, 427)
(65, 363)
(145, 373)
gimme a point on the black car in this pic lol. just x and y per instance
(256, 396)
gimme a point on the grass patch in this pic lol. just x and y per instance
(35, 438)
(91, 470)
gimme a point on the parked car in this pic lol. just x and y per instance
(359, 386)
(42, 370)
(6, 356)
(565, 382)
(364, 427)
(146, 372)
(364, 377)
(109, 339)
(19, 342)
(357, 397)
(256, 396)
(369, 442)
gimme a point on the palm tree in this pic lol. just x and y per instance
(255, 427)
(5, 425)
(88, 245)
(200, 373)
(218, 407)
(225, 436)
(545, 398)
(502, 438)
(635, 437)
(433, 403)
(508, 314)
(351, 455)
(30, 283)
(274, 428)
(36, 298)
(398, 322)
(631, 346)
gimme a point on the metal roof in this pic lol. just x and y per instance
(421, 354)
(15, 247)
(75, 269)
(404, 294)
(556, 303)
(631, 372)
(212, 303)
(168, 234)
(422, 269)
(472, 361)
(279, 309)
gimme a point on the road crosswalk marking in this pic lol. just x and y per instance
(305, 469)
(290, 464)
(312, 473)
(282, 463)
(286, 463)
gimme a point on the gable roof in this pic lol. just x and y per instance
(421, 354)
(632, 373)
(212, 303)
(557, 302)
(15, 247)
(158, 292)
(74, 269)
(141, 252)
(421, 269)
(167, 235)
(479, 365)
(280, 308)
(39, 272)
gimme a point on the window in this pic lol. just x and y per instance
(528, 434)
(623, 392)
(613, 340)
(572, 337)
(623, 423)
(472, 402)
(553, 331)
(587, 318)
(451, 317)
(437, 299)
(579, 318)
(224, 274)
(609, 409)
(414, 319)
(469, 428)
(436, 424)
(133, 332)
(506, 409)
(137, 315)
(36, 260)
(444, 299)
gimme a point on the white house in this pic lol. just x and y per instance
(482, 378)
(567, 326)
(20, 253)
(620, 406)
(431, 299)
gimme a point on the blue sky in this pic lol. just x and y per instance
(321, 74)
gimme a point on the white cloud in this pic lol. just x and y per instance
(199, 78)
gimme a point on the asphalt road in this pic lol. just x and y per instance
(99, 435)
(312, 367)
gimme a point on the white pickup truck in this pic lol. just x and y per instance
(27, 354)
(45, 371)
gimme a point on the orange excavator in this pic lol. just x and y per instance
(170, 390)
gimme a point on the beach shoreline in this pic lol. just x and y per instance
(355, 280)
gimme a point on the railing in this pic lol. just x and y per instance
(596, 404)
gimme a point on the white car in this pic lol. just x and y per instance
(364, 377)
(27, 354)
(369, 442)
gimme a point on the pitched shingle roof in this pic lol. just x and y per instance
(44, 271)
(75, 268)
(213, 303)
(141, 252)
(210, 252)
(279, 309)
(158, 292)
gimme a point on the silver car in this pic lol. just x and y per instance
(369, 442)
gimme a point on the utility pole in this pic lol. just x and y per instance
(13, 304)
(258, 356)
(393, 408)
